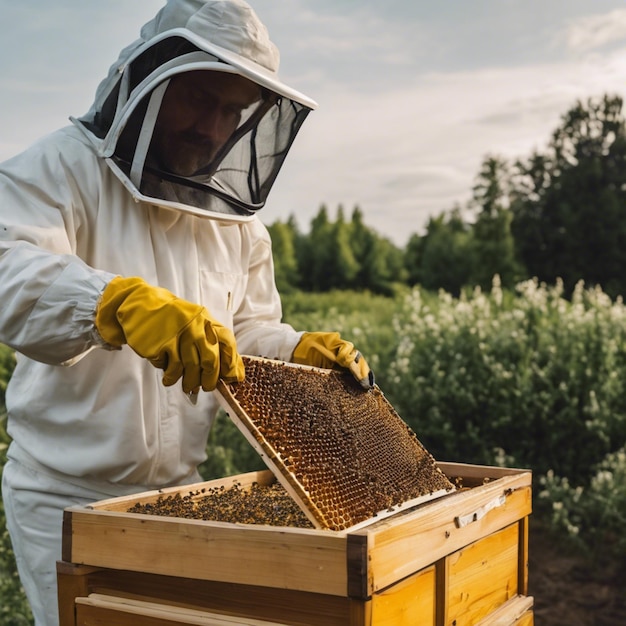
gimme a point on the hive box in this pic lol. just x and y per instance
(459, 560)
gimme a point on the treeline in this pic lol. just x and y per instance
(558, 214)
(340, 254)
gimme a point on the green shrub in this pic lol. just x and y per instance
(592, 517)
(14, 609)
(525, 378)
(360, 317)
(537, 380)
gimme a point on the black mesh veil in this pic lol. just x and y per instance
(236, 181)
(243, 172)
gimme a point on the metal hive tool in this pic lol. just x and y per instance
(343, 454)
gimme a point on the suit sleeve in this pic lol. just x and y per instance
(48, 293)
(258, 322)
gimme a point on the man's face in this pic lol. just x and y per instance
(199, 112)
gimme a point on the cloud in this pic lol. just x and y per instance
(595, 31)
(412, 98)
(411, 152)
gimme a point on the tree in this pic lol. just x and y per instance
(569, 204)
(446, 255)
(413, 258)
(343, 266)
(381, 264)
(284, 238)
(492, 240)
(308, 255)
(317, 253)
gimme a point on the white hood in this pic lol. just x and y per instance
(189, 35)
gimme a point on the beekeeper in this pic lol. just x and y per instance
(134, 271)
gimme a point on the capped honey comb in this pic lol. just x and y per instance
(342, 453)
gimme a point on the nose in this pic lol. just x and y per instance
(210, 124)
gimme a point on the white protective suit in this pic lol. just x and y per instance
(88, 422)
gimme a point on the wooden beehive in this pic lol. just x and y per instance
(460, 560)
(391, 541)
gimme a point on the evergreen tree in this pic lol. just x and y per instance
(343, 267)
(381, 264)
(413, 259)
(569, 203)
(493, 249)
(319, 253)
(284, 254)
(446, 255)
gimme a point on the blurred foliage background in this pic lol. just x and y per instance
(497, 333)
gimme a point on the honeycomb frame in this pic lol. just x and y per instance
(322, 441)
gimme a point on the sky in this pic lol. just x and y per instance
(413, 94)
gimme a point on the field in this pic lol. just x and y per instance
(519, 379)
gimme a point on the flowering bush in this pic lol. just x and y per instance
(536, 380)
(593, 517)
(527, 379)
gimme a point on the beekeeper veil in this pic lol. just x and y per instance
(233, 180)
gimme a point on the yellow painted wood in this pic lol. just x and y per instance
(515, 612)
(399, 546)
(408, 542)
(482, 577)
(472, 542)
(407, 603)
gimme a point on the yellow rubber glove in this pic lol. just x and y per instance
(329, 350)
(176, 336)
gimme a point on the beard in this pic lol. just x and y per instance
(183, 153)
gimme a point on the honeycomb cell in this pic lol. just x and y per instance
(345, 452)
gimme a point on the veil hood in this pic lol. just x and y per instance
(184, 36)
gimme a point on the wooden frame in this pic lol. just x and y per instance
(309, 502)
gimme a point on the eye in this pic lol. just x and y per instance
(234, 110)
